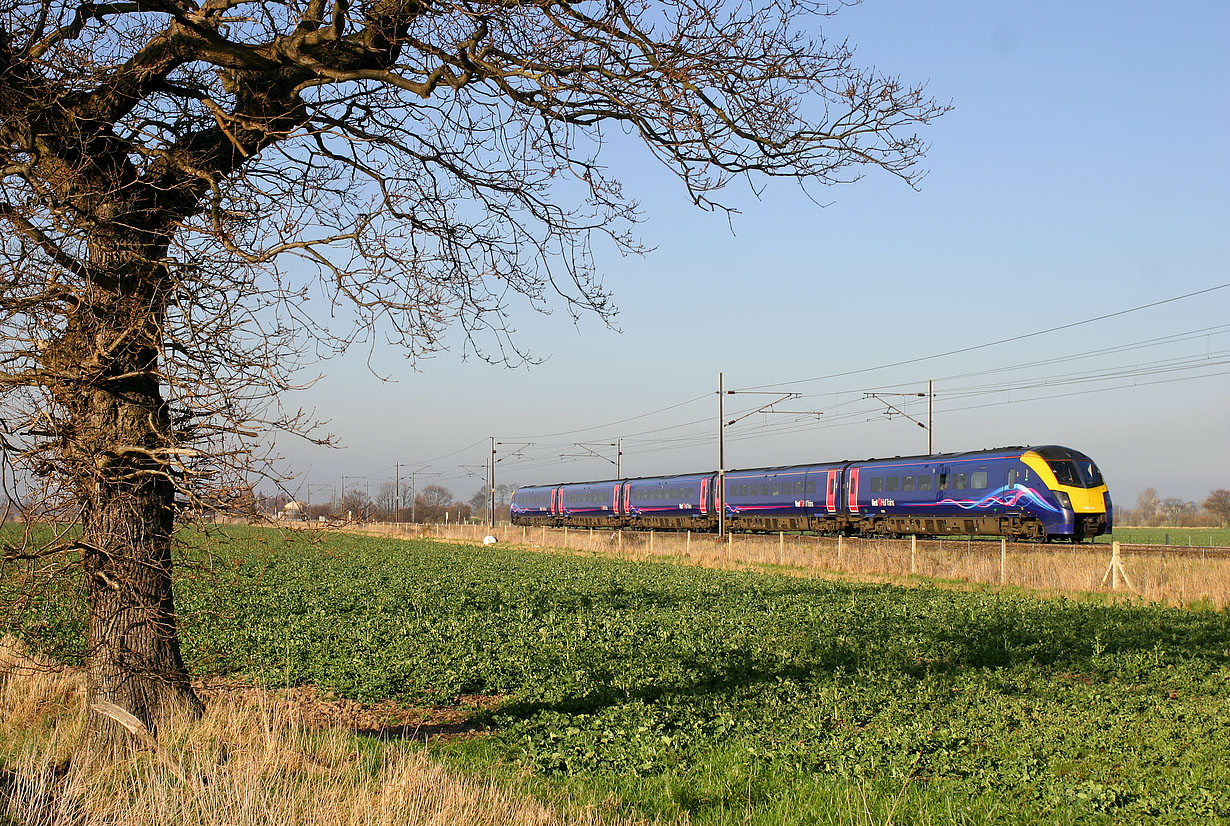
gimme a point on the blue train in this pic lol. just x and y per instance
(1029, 493)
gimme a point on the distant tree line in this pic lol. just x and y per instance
(432, 503)
(1151, 510)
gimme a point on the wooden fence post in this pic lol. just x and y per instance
(839, 538)
(687, 545)
(1003, 560)
(913, 553)
(1115, 570)
(781, 547)
(651, 543)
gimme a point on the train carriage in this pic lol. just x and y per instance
(533, 505)
(1011, 492)
(780, 499)
(587, 504)
(671, 502)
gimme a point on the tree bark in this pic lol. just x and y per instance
(118, 455)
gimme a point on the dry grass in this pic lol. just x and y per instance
(247, 763)
(1177, 576)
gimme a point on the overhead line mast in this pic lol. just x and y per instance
(719, 496)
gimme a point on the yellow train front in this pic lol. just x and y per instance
(1079, 490)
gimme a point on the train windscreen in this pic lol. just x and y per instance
(1077, 473)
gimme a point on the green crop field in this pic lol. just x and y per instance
(1195, 537)
(718, 697)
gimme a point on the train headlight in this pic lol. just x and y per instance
(1064, 501)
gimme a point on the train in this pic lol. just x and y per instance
(1035, 494)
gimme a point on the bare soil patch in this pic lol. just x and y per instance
(386, 719)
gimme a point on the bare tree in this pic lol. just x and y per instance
(387, 501)
(201, 197)
(432, 502)
(1148, 504)
(1218, 504)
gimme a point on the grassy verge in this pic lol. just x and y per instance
(243, 764)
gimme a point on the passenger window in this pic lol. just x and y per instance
(1012, 474)
(811, 487)
(924, 482)
(877, 485)
(960, 482)
(798, 488)
(776, 489)
(892, 483)
(907, 483)
(979, 480)
(943, 481)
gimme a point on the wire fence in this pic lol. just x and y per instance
(1175, 575)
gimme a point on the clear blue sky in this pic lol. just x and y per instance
(1082, 172)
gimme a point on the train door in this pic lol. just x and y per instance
(830, 491)
(943, 486)
(852, 489)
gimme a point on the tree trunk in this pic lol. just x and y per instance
(116, 451)
(133, 656)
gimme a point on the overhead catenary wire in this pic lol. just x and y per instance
(996, 343)
(849, 412)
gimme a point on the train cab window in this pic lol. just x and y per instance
(960, 481)
(877, 485)
(892, 484)
(907, 483)
(978, 480)
(943, 481)
(924, 481)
